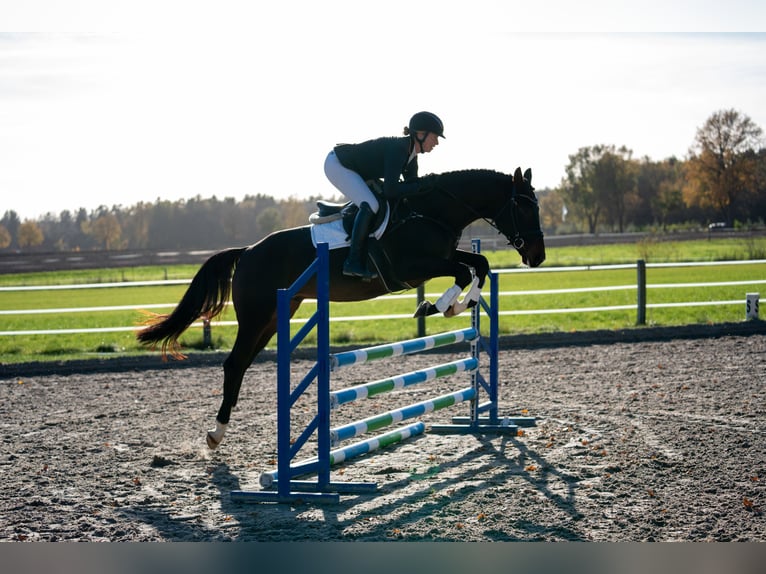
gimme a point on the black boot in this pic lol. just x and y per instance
(356, 263)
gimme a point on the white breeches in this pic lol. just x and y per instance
(348, 182)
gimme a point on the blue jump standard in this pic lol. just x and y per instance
(281, 485)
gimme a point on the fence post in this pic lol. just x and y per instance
(641, 287)
(421, 319)
(207, 336)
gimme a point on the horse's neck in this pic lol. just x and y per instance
(479, 198)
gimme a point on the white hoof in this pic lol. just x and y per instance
(212, 444)
(215, 436)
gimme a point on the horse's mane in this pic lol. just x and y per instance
(472, 173)
(469, 177)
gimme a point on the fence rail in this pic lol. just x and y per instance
(639, 286)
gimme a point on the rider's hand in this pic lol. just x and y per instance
(427, 183)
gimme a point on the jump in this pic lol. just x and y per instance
(420, 243)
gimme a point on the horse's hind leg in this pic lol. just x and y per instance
(246, 347)
(234, 367)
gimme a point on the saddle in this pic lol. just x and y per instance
(328, 211)
(388, 216)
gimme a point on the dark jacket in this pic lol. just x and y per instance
(382, 158)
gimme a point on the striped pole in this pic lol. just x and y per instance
(373, 388)
(351, 430)
(365, 355)
(339, 455)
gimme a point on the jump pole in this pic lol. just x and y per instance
(288, 489)
(483, 417)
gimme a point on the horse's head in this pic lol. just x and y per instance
(507, 203)
(519, 220)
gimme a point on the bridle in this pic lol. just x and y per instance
(517, 241)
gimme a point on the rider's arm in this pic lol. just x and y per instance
(396, 165)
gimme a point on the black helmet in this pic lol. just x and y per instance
(426, 122)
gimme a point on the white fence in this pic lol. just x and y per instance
(640, 306)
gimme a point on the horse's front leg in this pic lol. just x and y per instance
(470, 300)
(425, 269)
(467, 268)
(480, 267)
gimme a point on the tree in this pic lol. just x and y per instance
(757, 202)
(295, 212)
(552, 211)
(598, 182)
(723, 163)
(136, 227)
(269, 220)
(106, 230)
(659, 186)
(614, 182)
(11, 222)
(5, 237)
(29, 234)
(577, 191)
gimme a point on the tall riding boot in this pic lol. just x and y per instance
(356, 263)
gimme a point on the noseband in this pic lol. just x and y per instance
(517, 241)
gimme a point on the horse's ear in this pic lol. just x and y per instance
(517, 175)
(528, 175)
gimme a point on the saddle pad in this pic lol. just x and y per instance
(335, 236)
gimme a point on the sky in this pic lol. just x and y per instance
(117, 102)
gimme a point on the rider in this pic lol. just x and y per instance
(350, 166)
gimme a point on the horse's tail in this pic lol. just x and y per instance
(206, 296)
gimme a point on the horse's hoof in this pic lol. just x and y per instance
(425, 309)
(421, 310)
(212, 444)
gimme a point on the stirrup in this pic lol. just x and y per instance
(351, 269)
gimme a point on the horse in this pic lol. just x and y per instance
(420, 243)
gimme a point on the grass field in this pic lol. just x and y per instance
(517, 299)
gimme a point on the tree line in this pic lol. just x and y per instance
(604, 189)
(723, 180)
(196, 223)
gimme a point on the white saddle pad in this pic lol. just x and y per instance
(335, 236)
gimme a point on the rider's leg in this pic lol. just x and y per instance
(356, 263)
(354, 187)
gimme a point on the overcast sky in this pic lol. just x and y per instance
(112, 103)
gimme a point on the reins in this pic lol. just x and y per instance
(517, 241)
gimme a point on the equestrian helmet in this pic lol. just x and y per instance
(426, 122)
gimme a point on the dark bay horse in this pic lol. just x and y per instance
(420, 246)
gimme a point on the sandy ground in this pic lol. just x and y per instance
(634, 441)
